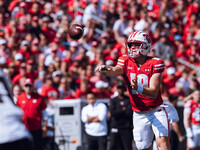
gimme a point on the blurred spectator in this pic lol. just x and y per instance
(18, 59)
(97, 77)
(49, 91)
(178, 91)
(51, 68)
(129, 29)
(57, 63)
(121, 120)
(25, 49)
(89, 71)
(32, 104)
(193, 50)
(82, 76)
(120, 25)
(30, 71)
(64, 88)
(2, 19)
(50, 59)
(35, 9)
(47, 30)
(40, 81)
(21, 75)
(41, 60)
(48, 10)
(16, 91)
(43, 43)
(184, 79)
(10, 28)
(3, 62)
(112, 57)
(91, 52)
(22, 28)
(73, 48)
(82, 90)
(12, 70)
(181, 51)
(104, 38)
(35, 50)
(98, 56)
(48, 119)
(144, 21)
(172, 77)
(63, 24)
(57, 75)
(193, 85)
(111, 15)
(22, 10)
(4, 9)
(175, 134)
(163, 48)
(94, 117)
(92, 10)
(4, 51)
(101, 89)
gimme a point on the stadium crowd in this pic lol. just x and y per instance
(34, 44)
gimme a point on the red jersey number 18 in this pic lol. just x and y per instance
(142, 80)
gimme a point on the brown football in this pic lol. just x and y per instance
(75, 31)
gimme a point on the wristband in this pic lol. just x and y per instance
(189, 132)
(140, 89)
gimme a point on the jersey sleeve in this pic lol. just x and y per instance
(121, 61)
(158, 66)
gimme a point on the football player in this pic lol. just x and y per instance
(143, 76)
(13, 133)
(192, 121)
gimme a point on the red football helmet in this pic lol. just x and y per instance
(142, 44)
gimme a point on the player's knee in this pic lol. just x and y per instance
(163, 146)
(163, 143)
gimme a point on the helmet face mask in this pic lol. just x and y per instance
(133, 49)
(138, 43)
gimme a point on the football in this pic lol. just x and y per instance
(75, 31)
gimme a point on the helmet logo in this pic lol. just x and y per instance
(147, 38)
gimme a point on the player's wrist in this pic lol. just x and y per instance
(140, 89)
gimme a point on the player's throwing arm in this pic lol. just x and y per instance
(110, 70)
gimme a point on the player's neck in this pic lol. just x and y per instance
(140, 60)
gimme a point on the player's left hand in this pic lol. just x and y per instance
(134, 83)
(102, 68)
